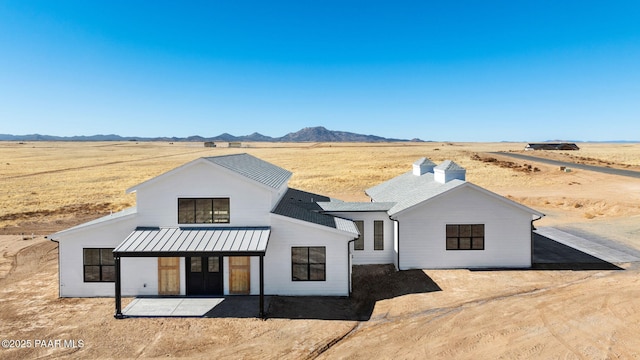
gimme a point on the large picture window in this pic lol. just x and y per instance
(359, 243)
(99, 265)
(203, 211)
(378, 235)
(465, 237)
(308, 263)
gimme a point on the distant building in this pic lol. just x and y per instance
(235, 144)
(209, 144)
(551, 146)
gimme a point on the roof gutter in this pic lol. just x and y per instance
(58, 247)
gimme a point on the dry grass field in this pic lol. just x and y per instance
(478, 314)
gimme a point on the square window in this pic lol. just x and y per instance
(98, 265)
(308, 263)
(465, 237)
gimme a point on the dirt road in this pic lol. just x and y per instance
(600, 169)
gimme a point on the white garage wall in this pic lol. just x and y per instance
(423, 228)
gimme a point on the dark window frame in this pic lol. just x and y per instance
(359, 243)
(464, 237)
(308, 263)
(378, 235)
(100, 265)
(216, 207)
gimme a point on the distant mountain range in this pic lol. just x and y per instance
(308, 134)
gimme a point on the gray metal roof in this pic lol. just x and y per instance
(253, 168)
(449, 165)
(178, 241)
(302, 205)
(338, 206)
(423, 161)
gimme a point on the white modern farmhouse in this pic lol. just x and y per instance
(230, 225)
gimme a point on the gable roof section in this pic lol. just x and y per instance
(424, 161)
(243, 164)
(120, 215)
(302, 205)
(449, 165)
(253, 168)
(408, 190)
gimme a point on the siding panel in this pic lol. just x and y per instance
(507, 233)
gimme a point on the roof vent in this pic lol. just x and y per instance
(448, 171)
(423, 166)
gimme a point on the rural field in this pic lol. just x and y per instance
(523, 314)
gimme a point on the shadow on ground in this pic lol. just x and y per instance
(549, 254)
(238, 306)
(371, 283)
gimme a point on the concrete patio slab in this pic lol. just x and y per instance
(170, 307)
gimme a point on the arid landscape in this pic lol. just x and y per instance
(514, 314)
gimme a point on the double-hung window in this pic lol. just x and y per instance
(203, 211)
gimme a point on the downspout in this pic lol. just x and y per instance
(349, 264)
(398, 241)
(57, 242)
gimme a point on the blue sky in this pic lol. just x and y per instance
(436, 70)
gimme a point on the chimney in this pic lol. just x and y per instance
(448, 171)
(423, 166)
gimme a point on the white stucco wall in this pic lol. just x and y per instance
(369, 255)
(286, 234)
(423, 232)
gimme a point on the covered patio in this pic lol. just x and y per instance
(191, 242)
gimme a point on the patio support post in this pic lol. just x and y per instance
(118, 314)
(262, 315)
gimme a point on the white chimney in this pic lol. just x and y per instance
(423, 166)
(448, 171)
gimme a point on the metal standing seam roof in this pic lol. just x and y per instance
(156, 241)
(253, 168)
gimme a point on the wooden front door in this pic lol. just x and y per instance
(168, 276)
(239, 275)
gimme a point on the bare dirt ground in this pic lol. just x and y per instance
(469, 315)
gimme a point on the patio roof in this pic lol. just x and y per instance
(194, 241)
(191, 242)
